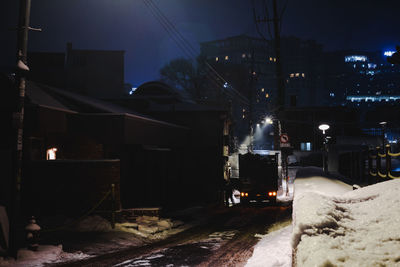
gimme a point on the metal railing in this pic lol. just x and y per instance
(378, 157)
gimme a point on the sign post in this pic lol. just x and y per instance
(285, 145)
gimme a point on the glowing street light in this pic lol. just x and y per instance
(323, 127)
(268, 120)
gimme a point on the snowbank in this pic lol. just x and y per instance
(273, 249)
(333, 227)
(44, 254)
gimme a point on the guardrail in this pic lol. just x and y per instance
(377, 156)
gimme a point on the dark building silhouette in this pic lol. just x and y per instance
(97, 73)
(249, 64)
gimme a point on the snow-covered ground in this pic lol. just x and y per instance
(144, 230)
(332, 225)
(336, 226)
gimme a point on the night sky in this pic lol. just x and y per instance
(129, 25)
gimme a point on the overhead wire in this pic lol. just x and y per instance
(188, 49)
(173, 34)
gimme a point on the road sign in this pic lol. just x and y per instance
(284, 138)
(285, 144)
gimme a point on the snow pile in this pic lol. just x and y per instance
(335, 228)
(273, 249)
(150, 227)
(44, 255)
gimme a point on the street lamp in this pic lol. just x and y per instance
(324, 127)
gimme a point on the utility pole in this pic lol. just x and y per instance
(251, 102)
(279, 72)
(280, 81)
(18, 120)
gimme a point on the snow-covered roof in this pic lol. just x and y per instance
(45, 96)
(37, 95)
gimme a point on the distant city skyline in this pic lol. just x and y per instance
(129, 25)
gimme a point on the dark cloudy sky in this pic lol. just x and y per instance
(129, 25)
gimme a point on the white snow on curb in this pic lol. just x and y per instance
(273, 250)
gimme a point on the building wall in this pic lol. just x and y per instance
(68, 187)
(95, 73)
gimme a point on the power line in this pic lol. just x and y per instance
(188, 49)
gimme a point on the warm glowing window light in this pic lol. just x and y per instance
(51, 153)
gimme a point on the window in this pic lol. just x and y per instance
(216, 58)
(226, 57)
(305, 146)
(51, 153)
(243, 55)
(262, 89)
(291, 75)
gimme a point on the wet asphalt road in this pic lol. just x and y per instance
(226, 238)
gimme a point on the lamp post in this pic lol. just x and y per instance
(323, 128)
(383, 125)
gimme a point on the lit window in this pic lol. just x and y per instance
(389, 53)
(244, 110)
(254, 73)
(266, 95)
(226, 57)
(274, 59)
(262, 89)
(291, 75)
(305, 146)
(216, 58)
(303, 75)
(270, 59)
(297, 74)
(355, 58)
(243, 55)
(243, 116)
(51, 153)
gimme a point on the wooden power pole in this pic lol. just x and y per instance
(18, 120)
(276, 36)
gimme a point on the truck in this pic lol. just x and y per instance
(258, 175)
